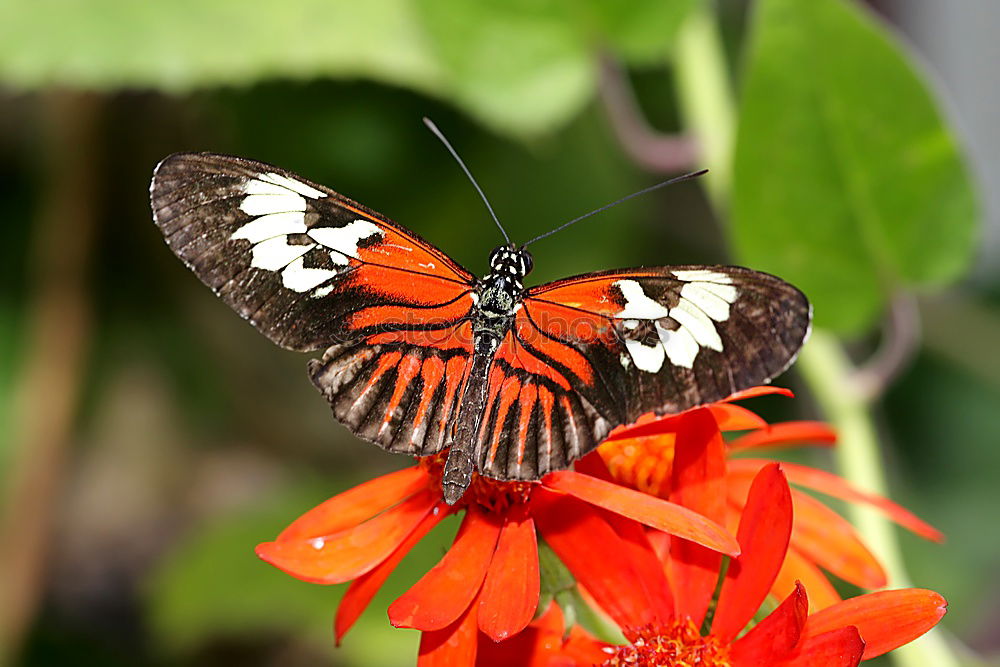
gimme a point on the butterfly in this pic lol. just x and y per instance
(421, 356)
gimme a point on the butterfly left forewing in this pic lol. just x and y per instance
(297, 260)
(310, 269)
(611, 346)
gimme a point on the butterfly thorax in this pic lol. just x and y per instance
(498, 293)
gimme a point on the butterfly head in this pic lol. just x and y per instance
(511, 261)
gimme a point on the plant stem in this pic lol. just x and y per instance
(829, 373)
(705, 96)
(49, 380)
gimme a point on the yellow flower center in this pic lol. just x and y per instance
(675, 644)
(642, 463)
(493, 495)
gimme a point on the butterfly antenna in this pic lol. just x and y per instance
(433, 128)
(676, 179)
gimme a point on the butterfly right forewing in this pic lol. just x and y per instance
(592, 352)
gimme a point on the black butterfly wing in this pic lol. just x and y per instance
(312, 269)
(592, 352)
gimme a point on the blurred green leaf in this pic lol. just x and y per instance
(519, 65)
(213, 585)
(187, 43)
(639, 32)
(847, 181)
(10, 351)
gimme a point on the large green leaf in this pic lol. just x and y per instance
(518, 64)
(212, 585)
(185, 43)
(640, 31)
(847, 181)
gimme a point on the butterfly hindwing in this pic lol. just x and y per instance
(605, 348)
(401, 397)
(302, 263)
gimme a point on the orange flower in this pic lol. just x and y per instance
(660, 455)
(489, 579)
(650, 608)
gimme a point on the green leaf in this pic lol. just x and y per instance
(639, 32)
(519, 65)
(11, 342)
(212, 585)
(847, 181)
(182, 44)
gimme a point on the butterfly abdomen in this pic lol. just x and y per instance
(464, 433)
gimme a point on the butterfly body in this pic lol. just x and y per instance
(498, 297)
(421, 356)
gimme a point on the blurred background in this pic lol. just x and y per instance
(149, 438)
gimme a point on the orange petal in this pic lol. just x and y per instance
(336, 558)
(886, 619)
(362, 589)
(735, 417)
(445, 592)
(698, 483)
(645, 563)
(842, 647)
(592, 551)
(786, 434)
(655, 512)
(358, 504)
(777, 634)
(830, 541)
(797, 568)
(542, 644)
(593, 464)
(831, 484)
(761, 390)
(452, 646)
(765, 528)
(653, 427)
(510, 593)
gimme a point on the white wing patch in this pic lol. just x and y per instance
(285, 183)
(638, 306)
(705, 298)
(702, 275)
(647, 358)
(271, 225)
(345, 239)
(680, 344)
(277, 205)
(275, 254)
(296, 276)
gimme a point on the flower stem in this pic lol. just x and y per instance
(706, 99)
(829, 373)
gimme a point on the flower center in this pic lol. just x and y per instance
(492, 494)
(674, 644)
(642, 463)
